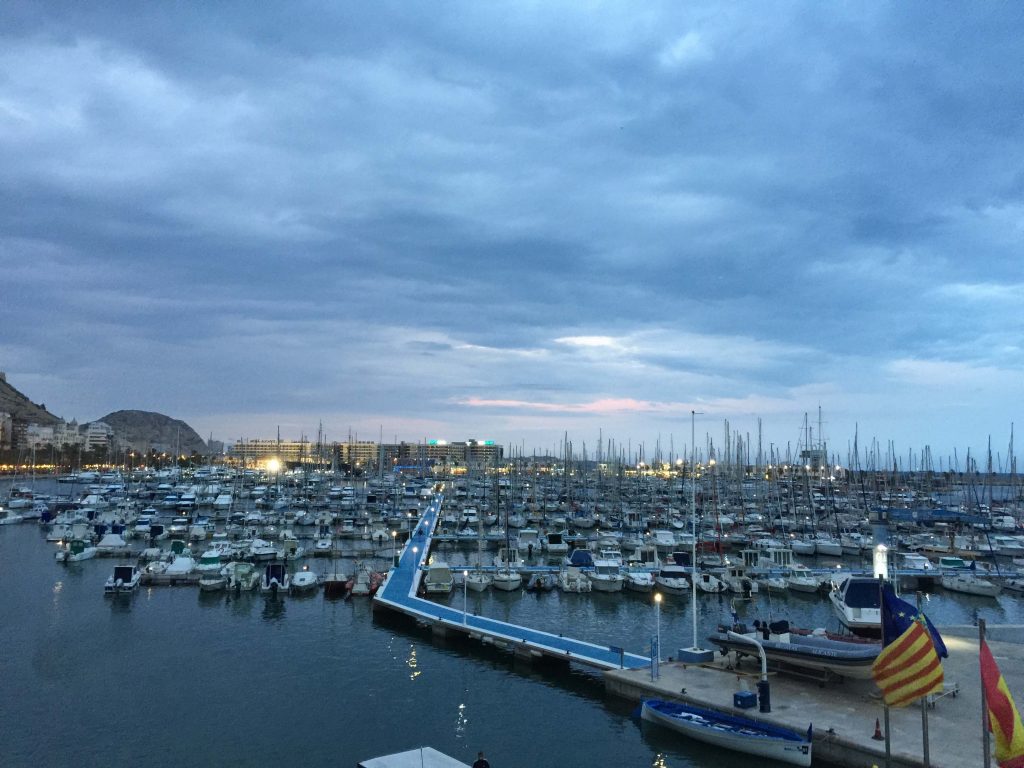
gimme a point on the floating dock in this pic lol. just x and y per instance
(400, 593)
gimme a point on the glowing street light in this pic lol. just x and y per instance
(465, 595)
(657, 621)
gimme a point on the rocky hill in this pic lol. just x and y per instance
(145, 430)
(21, 408)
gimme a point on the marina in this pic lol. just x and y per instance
(599, 639)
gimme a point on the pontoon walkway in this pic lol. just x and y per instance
(399, 593)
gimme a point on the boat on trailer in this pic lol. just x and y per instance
(740, 734)
(828, 654)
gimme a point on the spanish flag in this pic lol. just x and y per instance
(909, 666)
(1003, 717)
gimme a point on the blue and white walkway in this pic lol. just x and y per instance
(399, 593)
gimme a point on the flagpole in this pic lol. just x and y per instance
(881, 629)
(924, 706)
(986, 746)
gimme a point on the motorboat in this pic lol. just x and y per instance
(439, 579)
(606, 576)
(212, 581)
(638, 581)
(673, 577)
(303, 582)
(111, 543)
(241, 576)
(75, 551)
(856, 603)
(555, 544)
(739, 581)
(580, 558)
(572, 579)
(802, 579)
(180, 566)
(276, 579)
(830, 654)
(710, 583)
(769, 583)
(915, 570)
(541, 582)
(124, 580)
(740, 734)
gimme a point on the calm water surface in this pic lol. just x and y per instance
(171, 676)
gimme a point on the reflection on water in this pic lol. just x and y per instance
(273, 608)
(210, 599)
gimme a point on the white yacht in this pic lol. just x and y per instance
(303, 581)
(124, 580)
(606, 576)
(439, 579)
(969, 583)
(638, 581)
(710, 583)
(855, 602)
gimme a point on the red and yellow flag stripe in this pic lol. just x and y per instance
(908, 668)
(1003, 717)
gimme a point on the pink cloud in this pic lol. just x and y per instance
(604, 405)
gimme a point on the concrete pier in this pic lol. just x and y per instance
(844, 713)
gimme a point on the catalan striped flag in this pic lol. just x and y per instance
(1003, 717)
(909, 666)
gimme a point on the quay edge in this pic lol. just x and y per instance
(843, 714)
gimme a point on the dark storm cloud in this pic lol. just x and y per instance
(427, 213)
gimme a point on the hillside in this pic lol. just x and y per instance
(145, 430)
(21, 408)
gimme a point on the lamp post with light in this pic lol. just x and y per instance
(657, 621)
(394, 551)
(465, 596)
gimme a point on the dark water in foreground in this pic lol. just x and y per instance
(172, 677)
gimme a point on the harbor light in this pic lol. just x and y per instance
(273, 465)
(881, 561)
(657, 621)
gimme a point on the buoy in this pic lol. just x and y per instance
(878, 732)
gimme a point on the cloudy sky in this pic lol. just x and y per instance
(512, 221)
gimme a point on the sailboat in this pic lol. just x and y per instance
(506, 578)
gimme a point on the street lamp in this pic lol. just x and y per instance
(394, 554)
(657, 621)
(465, 595)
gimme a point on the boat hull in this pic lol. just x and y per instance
(739, 734)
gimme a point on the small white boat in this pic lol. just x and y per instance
(477, 581)
(638, 581)
(672, 579)
(606, 576)
(772, 584)
(572, 579)
(740, 734)
(708, 582)
(507, 579)
(241, 576)
(76, 551)
(801, 579)
(966, 582)
(124, 580)
(304, 581)
(212, 581)
(439, 578)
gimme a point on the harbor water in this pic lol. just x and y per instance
(172, 675)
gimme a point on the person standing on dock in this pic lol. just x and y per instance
(481, 761)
